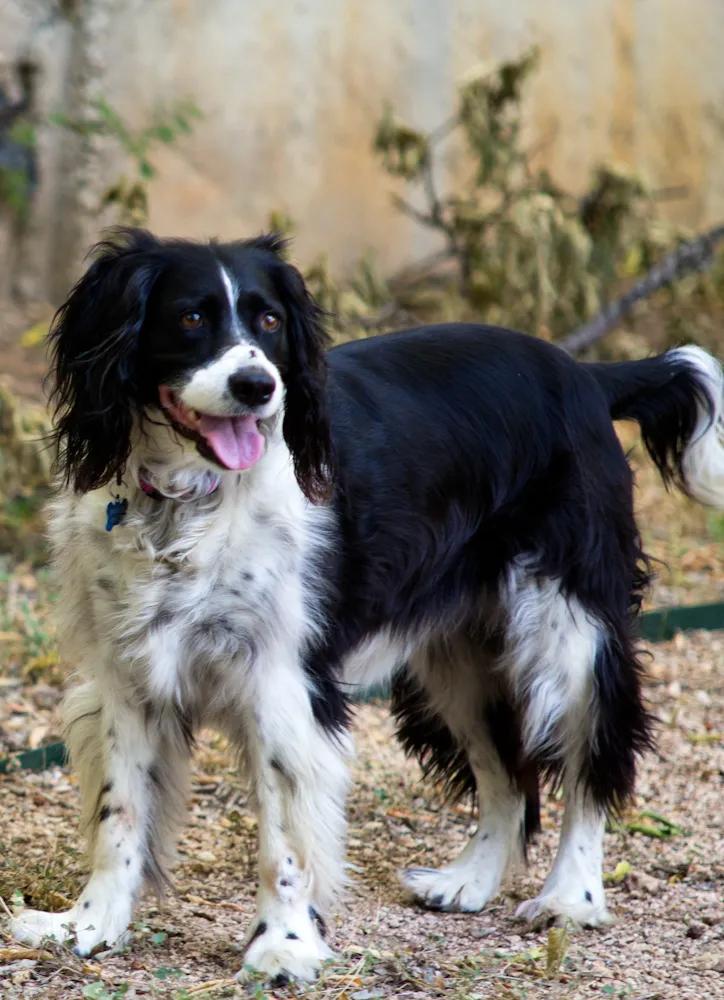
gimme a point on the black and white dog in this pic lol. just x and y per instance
(253, 530)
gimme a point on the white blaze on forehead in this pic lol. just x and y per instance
(208, 389)
(232, 295)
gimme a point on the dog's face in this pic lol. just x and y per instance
(215, 348)
(220, 338)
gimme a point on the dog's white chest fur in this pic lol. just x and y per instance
(186, 597)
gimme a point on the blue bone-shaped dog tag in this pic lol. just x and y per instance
(115, 512)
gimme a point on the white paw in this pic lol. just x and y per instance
(286, 947)
(31, 927)
(451, 888)
(550, 908)
(85, 925)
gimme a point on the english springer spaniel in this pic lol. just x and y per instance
(253, 529)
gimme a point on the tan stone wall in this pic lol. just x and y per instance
(291, 91)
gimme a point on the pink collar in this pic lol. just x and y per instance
(211, 485)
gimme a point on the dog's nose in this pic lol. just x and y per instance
(252, 386)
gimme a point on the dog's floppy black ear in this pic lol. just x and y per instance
(94, 341)
(306, 425)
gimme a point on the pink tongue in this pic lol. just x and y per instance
(235, 441)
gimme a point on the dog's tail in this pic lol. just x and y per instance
(678, 399)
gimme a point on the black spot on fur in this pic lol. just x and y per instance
(86, 905)
(291, 936)
(259, 930)
(162, 617)
(319, 921)
(104, 813)
(105, 789)
(150, 713)
(282, 771)
(587, 896)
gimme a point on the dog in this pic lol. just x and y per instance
(252, 528)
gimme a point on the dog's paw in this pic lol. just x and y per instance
(550, 909)
(287, 948)
(453, 888)
(85, 926)
(31, 927)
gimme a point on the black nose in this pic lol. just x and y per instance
(252, 386)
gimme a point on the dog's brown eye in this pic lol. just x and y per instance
(191, 320)
(269, 322)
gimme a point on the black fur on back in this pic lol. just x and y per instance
(460, 449)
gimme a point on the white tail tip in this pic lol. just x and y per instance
(703, 461)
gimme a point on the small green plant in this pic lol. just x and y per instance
(164, 972)
(16, 176)
(129, 193)
(715, 525)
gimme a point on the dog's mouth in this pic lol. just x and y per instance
(233, 442)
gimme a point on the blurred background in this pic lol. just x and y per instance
(210, 118)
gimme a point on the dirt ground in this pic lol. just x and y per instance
(666, 896)
(666, 874)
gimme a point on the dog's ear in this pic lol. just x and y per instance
(306, 425)
(94, 343)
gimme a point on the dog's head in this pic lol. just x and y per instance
(219, 338)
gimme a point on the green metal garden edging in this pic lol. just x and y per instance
(656, 626)
(34, 760)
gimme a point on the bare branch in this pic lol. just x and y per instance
(694, 255)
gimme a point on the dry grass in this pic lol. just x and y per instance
(666, 893)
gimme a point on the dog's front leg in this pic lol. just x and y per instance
(299, 776)
(128, 770)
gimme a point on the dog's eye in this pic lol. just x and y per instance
(269, 322)
(191, 320)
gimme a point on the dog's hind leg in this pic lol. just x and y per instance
(578, 685)
(133, 769)
(452, 715)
